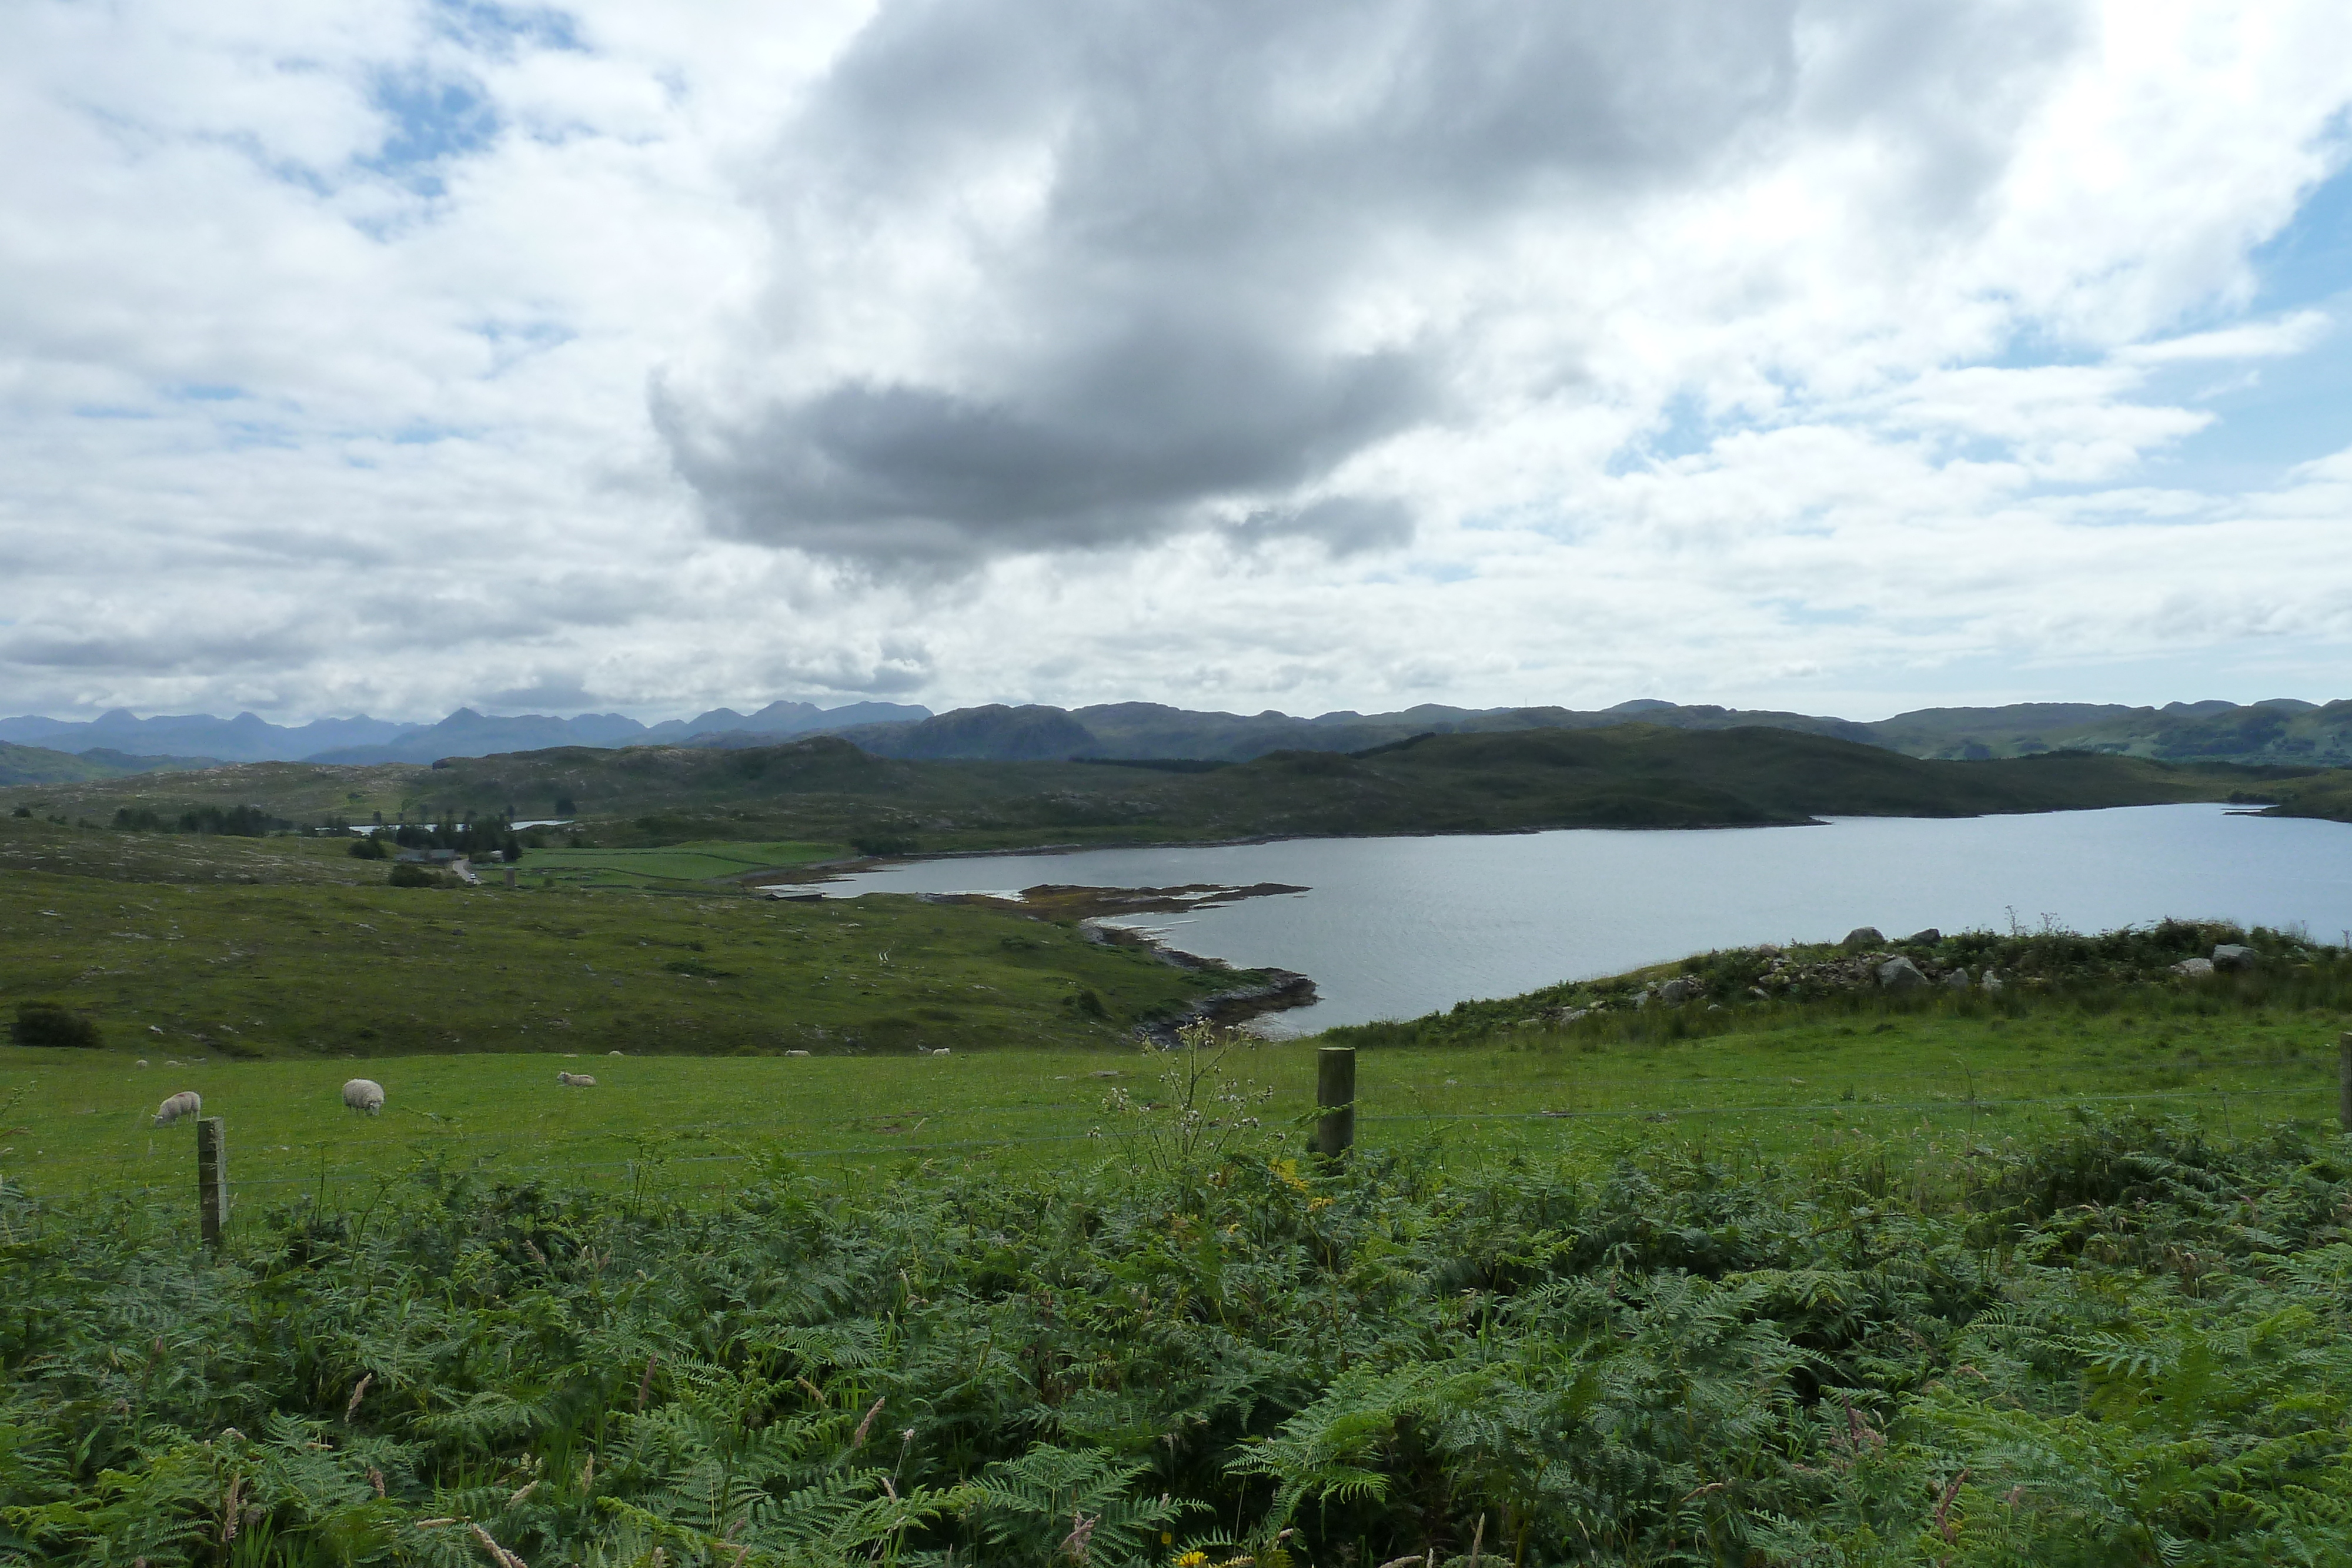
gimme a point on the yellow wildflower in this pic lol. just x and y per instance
(1287, 1173)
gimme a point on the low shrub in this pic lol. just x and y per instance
(408, 873)
(2129, 1343)
(52, 1024)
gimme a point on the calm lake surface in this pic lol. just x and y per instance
(1398, 928)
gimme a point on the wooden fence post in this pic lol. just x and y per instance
(2344, 1082)
(212, 1177)
(1335, 1094)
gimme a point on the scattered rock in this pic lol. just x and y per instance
(2193, 969)
(1927, 938)
(2231, 955)
(1678, 990)
(1958, 980)
(1862, 937)
(1571, 1015)
(1900, 975)
(1989, 981)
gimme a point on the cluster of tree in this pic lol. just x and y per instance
(481, 839)
(238, 822)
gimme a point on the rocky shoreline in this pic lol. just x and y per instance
(1283, 989)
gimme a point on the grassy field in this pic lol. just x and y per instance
(1924, 1087)
(253, 949)
(674, 866)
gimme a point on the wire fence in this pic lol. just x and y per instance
(660, 1158)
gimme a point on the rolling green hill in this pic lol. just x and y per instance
(825, 791)
(38, 765)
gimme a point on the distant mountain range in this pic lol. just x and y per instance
(249, 739)
(2281, 731)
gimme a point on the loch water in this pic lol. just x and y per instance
(1395, 927)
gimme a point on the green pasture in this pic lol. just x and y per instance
(259, 948)
(676, 865)
(1926, 1089)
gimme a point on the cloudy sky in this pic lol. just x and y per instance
(1846, 357)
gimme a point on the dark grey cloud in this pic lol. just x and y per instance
(1156, 344)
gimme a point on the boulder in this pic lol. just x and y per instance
(2193, 969)
(1900, 975)
(1927, 938)
(2231, 955)
(1957, 980)
(1862, 937)
(1678, 990)
(1988, 981)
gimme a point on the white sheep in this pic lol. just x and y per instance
(575, 1079)
(365, 1094)
(186, 1103)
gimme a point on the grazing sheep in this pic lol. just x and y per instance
(796, 1054)
(186, 1103)
(365, 1094)
(575, 1079)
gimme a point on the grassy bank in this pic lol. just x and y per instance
(2124, 1343)
(181, 946)
(1923, 1081)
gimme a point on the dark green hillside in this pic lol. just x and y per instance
(824, 790)
(2282, 732)
(38, 765)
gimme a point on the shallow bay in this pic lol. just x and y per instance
(1394, 927)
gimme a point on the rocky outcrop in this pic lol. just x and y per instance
(1862, 937)
(2230, 957)
(2193, 969)
(1900, 974)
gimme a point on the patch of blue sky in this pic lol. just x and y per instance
(427, 434)
(244, 434)
(1442, 571)
(2309, 261)
(205, 392)
(1798, 613)
(505, 30)
(434, 118)
(512, 342)
(1684, 429)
